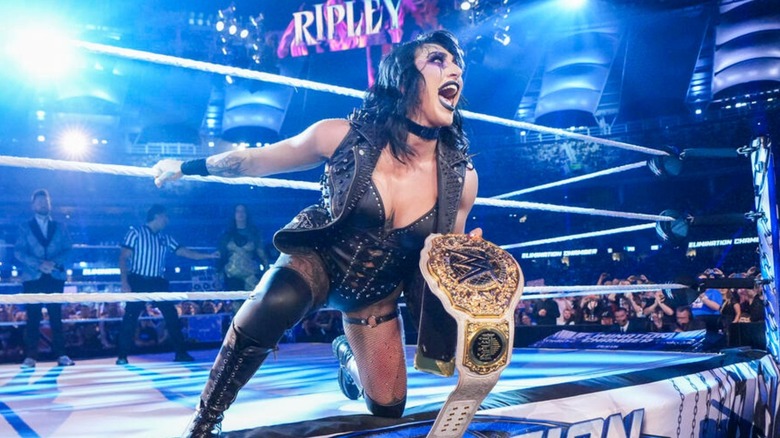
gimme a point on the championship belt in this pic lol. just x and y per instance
(479, 284)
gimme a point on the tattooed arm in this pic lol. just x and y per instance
(303, 151)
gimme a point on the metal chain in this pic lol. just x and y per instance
(722, 395)
(695, 405)
(708, 404)
(680, 411)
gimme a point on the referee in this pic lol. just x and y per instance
(142, 268)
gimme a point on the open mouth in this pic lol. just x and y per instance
(447, 94)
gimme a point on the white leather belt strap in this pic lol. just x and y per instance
(479, 284)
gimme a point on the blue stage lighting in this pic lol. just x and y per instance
(572, 4)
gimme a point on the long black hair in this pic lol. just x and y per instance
(386, 105)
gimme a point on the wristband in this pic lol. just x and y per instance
(195, 167)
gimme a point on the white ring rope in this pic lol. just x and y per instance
(581, 236)
(568, 209)
(208, 67)
(543, 292)
(114, 169)
(561, 133)
(573, 180)
(343, 91)
(120, 297)
(535, 292)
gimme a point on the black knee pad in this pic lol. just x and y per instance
(386, 411)
(282, 298)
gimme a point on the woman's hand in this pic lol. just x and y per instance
(166, 170)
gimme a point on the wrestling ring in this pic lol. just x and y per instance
(543, 393)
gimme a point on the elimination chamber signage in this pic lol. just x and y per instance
(359, 18)
(723, 242)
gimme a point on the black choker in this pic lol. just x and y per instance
(423, 132)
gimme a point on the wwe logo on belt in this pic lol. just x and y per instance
(473, 265)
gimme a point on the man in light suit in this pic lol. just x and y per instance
(42, 246)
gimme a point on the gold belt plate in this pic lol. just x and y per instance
(479, 278)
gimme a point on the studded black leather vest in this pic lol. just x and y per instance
(346, 179)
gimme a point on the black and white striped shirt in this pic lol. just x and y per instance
(149, 251)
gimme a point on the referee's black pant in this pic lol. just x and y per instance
(133, 309)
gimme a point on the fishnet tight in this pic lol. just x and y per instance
(381, 360)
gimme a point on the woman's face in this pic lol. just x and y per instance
(240, 213)
(441, 88)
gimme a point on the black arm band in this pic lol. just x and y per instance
(195, 167)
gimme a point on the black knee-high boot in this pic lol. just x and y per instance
(281, 299)
(237, 361)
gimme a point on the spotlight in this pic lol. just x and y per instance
(244, 33)
(232, 29)
(42, 52)
(572, 4)
(465, 6)
(220, 26)
(74, 142)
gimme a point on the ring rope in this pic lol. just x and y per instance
(573, 180)
(561, 133)
(208, 67)
(343, 91)
(114, 169)
(535, 292)
(503, 203)
(581, 236)
(120, 297)
(90, 320)
(544, 292)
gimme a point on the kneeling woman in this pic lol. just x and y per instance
(395, 172)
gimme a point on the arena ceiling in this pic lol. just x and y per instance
(645, 71)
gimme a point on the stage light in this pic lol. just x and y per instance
(220, 26)
(41, 138)
(465, 6)
(244, 33)
(232, 29)
(502, 37)
(74, 142)
(572, 4)
(42, 52)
